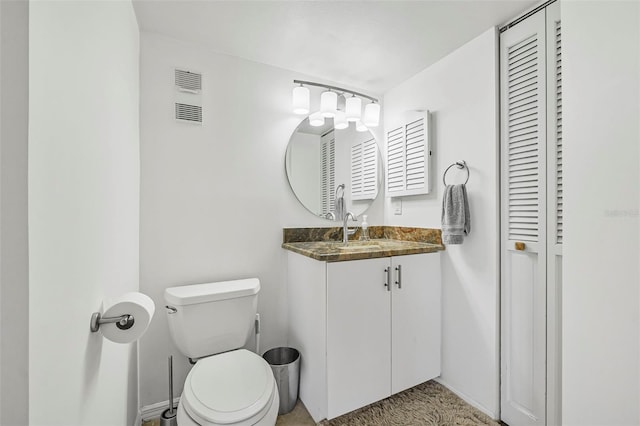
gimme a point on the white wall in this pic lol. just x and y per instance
(214, 198)
(83, 208)
(461, 92)
(14, 269)
(601, 305)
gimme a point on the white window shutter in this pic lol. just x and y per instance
(364, 170)
(395, 161)
(408, 156)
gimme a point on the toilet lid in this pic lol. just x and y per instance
(228, 387)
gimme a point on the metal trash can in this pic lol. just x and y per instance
(285, 363)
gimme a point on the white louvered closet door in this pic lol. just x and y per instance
(523, 222)
(554, 214)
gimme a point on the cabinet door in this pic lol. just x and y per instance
(415, 320)
(409, 155)
(358, 334)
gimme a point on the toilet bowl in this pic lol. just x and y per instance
(227, 385)
(232, 388)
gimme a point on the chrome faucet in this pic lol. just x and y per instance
(338, 202)
(345, 229)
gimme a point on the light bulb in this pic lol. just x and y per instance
(372, 114)
(354, 108)
(300, 100)
(340, 121)
(316, 119)
(328, 104)
(360, 127)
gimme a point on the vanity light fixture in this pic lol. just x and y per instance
(371, 115)
(316, 119)
(329, 106)
(354, 109)
(340, 121)
(300, 100)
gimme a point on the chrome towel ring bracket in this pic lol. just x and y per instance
(460, 165)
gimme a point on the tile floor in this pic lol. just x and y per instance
(298, 417)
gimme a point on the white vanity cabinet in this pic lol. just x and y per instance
(366, 329)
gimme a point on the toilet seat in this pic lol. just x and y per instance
(234, 387)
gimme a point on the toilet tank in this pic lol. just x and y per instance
(206, 319)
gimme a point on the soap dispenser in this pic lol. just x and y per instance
(364, 228)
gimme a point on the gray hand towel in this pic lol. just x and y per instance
(456, 219)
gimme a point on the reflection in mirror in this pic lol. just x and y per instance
(332, 171)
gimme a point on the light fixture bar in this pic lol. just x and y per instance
(337, 89)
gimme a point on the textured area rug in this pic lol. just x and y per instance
(427, 404)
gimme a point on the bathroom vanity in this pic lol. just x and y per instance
(366, 319)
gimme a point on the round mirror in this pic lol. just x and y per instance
(333, 171)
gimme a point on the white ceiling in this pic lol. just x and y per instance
(371, 45)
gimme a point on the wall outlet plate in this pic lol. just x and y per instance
(396, 204)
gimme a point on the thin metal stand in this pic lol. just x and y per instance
(168, 417)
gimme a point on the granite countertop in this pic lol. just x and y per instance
(334, 251)
(322, 243)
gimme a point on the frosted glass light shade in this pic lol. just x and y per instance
(300, 100)
(354, 108)
(340, 121)
(316, 119)
(328, 104)
(371, 115)
(360, 127)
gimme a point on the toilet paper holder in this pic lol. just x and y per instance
(123, 322)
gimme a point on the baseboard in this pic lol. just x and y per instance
(154, 411)
(468, 400)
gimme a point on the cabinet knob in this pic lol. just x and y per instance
(520, 246)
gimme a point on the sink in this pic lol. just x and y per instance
(358, 246)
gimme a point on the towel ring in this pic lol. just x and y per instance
(459, 164)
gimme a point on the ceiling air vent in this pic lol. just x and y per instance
(188, 96)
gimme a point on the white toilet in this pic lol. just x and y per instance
(227, 385)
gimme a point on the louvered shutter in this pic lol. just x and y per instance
(328, 172)
(356, 170)
(408, 156)
(524, 105)
(416, 155)
(395, 161)
(364, 170)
